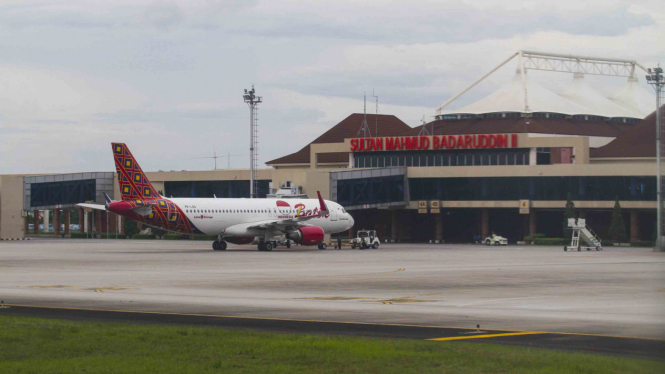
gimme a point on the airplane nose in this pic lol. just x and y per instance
(351, 221)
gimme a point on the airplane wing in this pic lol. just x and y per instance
(140, 210)
(280, 224)
(242, 228)
(92, 206)
(144, 210)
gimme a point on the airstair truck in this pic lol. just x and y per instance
(582, 232)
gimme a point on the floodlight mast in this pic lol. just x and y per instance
(657, 80)
(252, 101)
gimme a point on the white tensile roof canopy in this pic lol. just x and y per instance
(525, 96)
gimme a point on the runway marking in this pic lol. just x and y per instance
(318, 321)
(96, 289)
(486, 336)
(400, 300)
(336, 298)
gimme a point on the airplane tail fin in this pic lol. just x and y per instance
(133, 182)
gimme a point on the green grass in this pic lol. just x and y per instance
(34, 345)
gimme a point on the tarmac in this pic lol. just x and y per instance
(612, 301)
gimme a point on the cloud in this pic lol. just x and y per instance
(166, 77)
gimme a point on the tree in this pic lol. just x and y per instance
(569, 212)
(129, 227)
(617, 226)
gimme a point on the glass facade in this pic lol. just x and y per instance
(61, 193)
(515, 156)
(220, 189)
(626, 188)
(352, 192)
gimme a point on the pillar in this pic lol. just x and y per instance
(634, 226)
(97, 227)
(485, 222)
(533, 156)
(113, 223)
(438, 228)
(104, 221)
(81, 220)
(532, 222)
(394, 226)
(35, 221)
(56, 221)
(46, 219)
(68, 216)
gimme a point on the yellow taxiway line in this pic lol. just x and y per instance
(486, 336)
(322, 321)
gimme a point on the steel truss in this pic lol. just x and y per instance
(531, 60)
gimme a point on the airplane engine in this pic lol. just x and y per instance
(306, 235)
(239, 239)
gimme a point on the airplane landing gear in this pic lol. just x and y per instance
(323, 246)
(265, 246)
(219, 245)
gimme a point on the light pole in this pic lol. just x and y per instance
(252, 101)
(656, 79)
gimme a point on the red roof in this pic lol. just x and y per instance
(392, 126)
(559, 126)
(388, 125)
(639, 141)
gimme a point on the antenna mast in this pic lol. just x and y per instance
(253, 101)
(423, 130)
(376, 116)
(364, 128)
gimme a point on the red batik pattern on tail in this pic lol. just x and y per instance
(136, 189)
(133, 182)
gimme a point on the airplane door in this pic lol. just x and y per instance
(333, 214)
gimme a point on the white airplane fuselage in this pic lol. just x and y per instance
(224, 215)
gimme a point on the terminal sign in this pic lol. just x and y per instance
(411, 143)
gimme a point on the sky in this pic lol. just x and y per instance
(167, 77)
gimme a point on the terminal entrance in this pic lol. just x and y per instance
(466, 225)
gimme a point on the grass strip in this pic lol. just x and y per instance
(36, 345)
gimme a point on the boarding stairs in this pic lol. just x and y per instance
(582, 232)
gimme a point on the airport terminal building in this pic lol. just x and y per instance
(505, 164)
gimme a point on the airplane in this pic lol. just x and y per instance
(232, 220)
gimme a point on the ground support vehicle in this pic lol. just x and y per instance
(365, 239)
(584, 232)
(495, 240)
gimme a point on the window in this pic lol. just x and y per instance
(226, 189)
(370, 190)
(594, 188)
(462, 157)
(543, 156)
